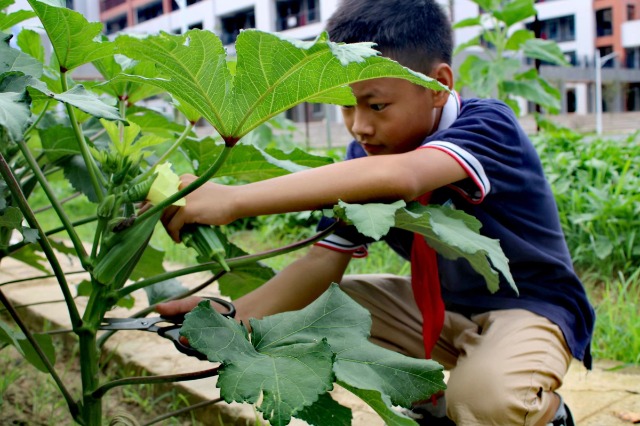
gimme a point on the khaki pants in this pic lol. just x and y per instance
(504, 365)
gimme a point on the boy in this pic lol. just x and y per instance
(507, 354)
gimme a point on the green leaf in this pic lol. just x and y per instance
(518, 38)
(153, 122)
(282, 380)
(9, 20)
(545, 50)
(381, 405)
(359, 363)
(516, 11)
(58, 141)
(75, 170)
(14, 113)
(14, 60)
(476, 73)
(196, 73)
(150, 264)
(72, 36)
(30, 42)
(373, 219)
(326, 411)
(10, 219)
(26, 349)
(475, 41)
(533, 91)
(455, 234)
(164, 290)
(468, 22)
(31, 256)
(243, 279)
(112, 66)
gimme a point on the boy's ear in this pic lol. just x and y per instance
(444, 74)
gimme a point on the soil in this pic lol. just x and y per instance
(31, 398)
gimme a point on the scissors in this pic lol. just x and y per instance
(166, 326)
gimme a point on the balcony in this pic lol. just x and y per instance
(296, 13)
(110, 4)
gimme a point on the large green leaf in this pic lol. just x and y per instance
(273, 74)
(111, 66)
(359, 363)
(283, 380)
(72, 36)
(381, 405)
(243, 279)
(532, 90)
(455, 234)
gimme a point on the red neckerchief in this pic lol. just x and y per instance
(425, 282)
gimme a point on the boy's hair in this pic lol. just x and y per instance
(415, 33)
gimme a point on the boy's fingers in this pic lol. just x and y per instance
(144, 207)
(178, 307)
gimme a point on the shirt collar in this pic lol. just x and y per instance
(450, 111)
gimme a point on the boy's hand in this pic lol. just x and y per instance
(206, 205)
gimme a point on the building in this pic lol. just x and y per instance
(581, 28)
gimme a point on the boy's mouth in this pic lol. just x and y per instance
(372, 149)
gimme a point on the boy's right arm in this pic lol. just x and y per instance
(293, 288)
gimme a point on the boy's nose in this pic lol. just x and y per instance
(362, 125)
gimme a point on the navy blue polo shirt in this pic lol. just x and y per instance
(507, 192)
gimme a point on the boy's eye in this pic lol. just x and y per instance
(378, 107)
(347, 106)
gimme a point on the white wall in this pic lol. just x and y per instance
(631, 33)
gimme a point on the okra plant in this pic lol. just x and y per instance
(109, 147)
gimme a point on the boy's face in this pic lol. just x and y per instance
(391, 116)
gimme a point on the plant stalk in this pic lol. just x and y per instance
(142, 380)
(234, 262)
(14, 187)
(181, 411)
(82, 144)
(42, 180)
(73, 406)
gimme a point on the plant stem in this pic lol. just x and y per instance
(208, 174)
(142, 380)
(18, 246)
(73, 406)
(37, 120)
(181, 411)
(234, 262)
(39, 277)
(82, 144)
(170, 151)
(63, 201)
(14, 187)
(77, 243)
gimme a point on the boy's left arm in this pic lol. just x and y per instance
(371, 179)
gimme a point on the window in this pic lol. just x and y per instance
(571, 100)
(150, 11)
(557, 29)
(109, 4)
(632, 56)
(604, 51)
(174, 5)
(69, 4)
(296, 13)
(116, 24)
(232, 24)
(604, 22)
(631, 12)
